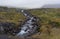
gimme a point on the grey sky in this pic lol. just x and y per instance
(27, 3)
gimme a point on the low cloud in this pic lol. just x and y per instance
(27, 3)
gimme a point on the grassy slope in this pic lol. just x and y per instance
(50, 23)
(49, 18)
(11, 17)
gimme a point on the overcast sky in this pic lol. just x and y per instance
(27, 3)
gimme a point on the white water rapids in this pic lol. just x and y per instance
(30, 26)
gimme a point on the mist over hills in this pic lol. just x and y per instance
(51, 6)
(44, 6)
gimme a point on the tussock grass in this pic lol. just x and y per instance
(50, 21)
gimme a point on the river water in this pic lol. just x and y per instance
(28, 28)
(30, 25)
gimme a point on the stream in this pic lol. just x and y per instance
(30, 25)
(28, 28)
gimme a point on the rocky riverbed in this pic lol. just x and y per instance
(28, 28)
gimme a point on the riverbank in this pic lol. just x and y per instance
(49, 20)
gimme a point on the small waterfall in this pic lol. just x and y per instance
(26, 13)
(30, 26)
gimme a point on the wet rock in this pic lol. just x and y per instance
(7, 27)
(30, 26)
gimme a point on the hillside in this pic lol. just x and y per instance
(51, 6)
(49, 21)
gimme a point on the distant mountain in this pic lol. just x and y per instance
(51, 6)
